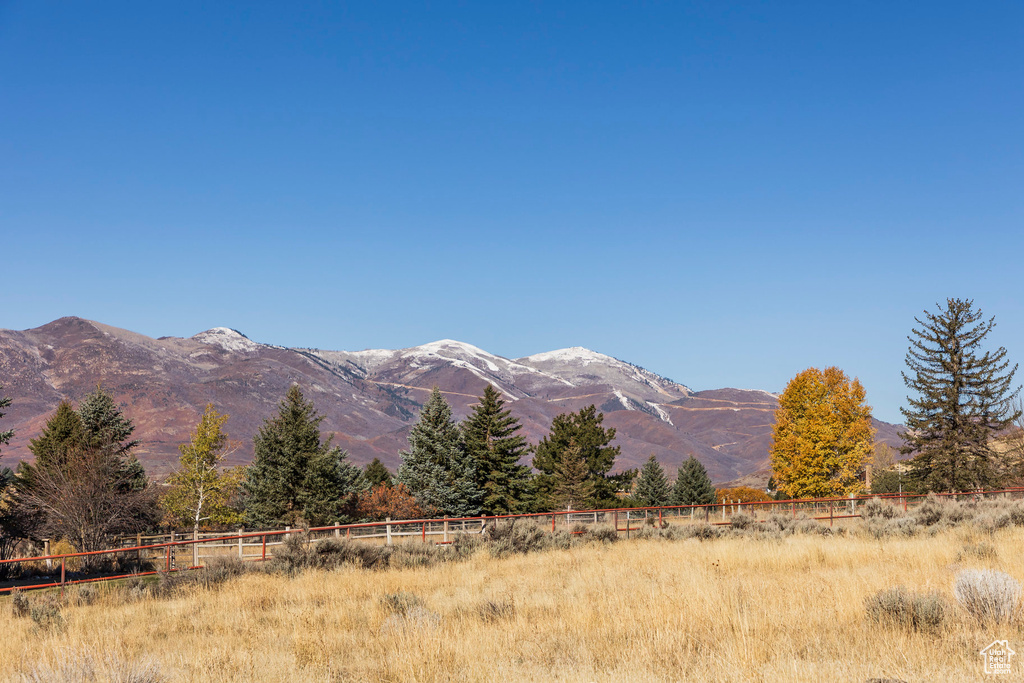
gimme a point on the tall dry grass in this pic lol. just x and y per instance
(732, 609)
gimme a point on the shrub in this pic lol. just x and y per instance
(704, 532)
(929, 512)
(900, 607)
(19, 604)
(877, 509)
(987, 595)
(978, 551)
(47, 613)
(401, 602)
(741, 520)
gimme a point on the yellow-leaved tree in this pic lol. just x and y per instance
(200, 491)
(822, 437)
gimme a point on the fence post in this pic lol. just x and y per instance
(337, 531)
(707, 513)
(240, 543)
(388, 529)
(263, 557)
(723, 509)
(195, 546)
(168, 565)
(552, 522)
(424, 532)
(138, 542)
(615, 520)
(659, 518)
(627, 523)
(46, 551)
(793, 505)
(446, 528)
(831, 507)
(62, 576)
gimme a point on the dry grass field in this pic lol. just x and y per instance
(789, 608)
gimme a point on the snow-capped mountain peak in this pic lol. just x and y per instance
(227, 339)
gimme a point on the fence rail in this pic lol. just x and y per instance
(187, 551)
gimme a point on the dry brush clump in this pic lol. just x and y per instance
(990, 596)
(908, 609)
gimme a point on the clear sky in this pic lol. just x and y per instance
(724, 193)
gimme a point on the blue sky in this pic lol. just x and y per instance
(724, 193)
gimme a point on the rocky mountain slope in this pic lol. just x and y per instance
(369, 398)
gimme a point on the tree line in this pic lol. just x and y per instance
(86, 485)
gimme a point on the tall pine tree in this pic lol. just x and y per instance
(963, 397)
(652, 486)
(574, 488)
(437, 469)
(584, 429)
(491, 439)
(6, 435)
(108, 429)
(296, 477)
(693, 485)
(63, 432)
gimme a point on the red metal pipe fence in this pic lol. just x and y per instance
(446, 527)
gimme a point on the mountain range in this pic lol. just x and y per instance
(370, 399)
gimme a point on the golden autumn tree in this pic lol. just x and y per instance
(822, 437)
(201, 491)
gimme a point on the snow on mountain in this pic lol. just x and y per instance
(580, 366)
(227, 339)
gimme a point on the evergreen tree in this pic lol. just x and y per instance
(584, 429)
(97, 433)
(963, 398)
(14, 523)
(86, 485)
(693, 485)
(437, 469)
(822, 438)
(652, 486)
(201, 491)
(6, 435)
(63, 433)
(376, 474)
(573, 485)
(106, 428)
(491, 439)
(330, 489)
(295, 477)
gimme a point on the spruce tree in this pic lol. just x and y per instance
(573, 485)
(437, 469)
(584, 429)
(693, 485)
(652, 486)
(963, 397)
(63, 432)
(6, 435)
(106, 428)
(376, 474)
(86, 484)
(491, 439)
(295, 476)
